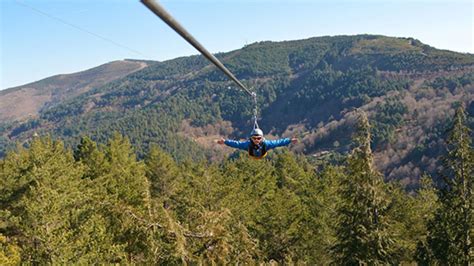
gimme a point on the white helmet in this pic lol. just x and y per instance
(257, 132)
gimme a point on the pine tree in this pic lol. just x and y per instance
(322, 202)
(207, 231)
(362, 235)
(291, 173)
(90, 156)
(162, 172)
(451, 231)
(163, 176)
(42, 196)
(269, 202)
(310, 214)
(408, 214)
(123, 199)
(9, 252)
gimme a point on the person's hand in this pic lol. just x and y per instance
(294, 140)
(220, 141)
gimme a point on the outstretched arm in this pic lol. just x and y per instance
(243, 145)
(280, 142)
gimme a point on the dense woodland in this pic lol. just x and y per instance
(99, 204)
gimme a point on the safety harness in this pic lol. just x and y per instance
(253, 147)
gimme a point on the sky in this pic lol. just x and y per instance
(42, 38)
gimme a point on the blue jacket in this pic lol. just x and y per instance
(269, 144)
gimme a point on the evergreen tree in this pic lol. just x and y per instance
(269, 202)
(164, 179)
(9, 252)
(162, 172)
(124, 200)
(450, 232)
(408, 214)
(93, 159)
(362, 235)
(292, 172)
(205, 230)
(322, 202)
(313, 215)
(41, 197)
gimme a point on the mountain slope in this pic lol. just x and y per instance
(309, 88)
(27, 100)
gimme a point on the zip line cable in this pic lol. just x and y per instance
(79, 28)
(255, 111)
(174, 24)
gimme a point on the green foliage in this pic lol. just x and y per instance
(322, 200)
(451, 231)
(322, 94)
(153, 198)
(89, 155)
(362, 231)
(271, 204)
(162, 172)
(9, 252)
(100, 204)
(306, 81)
(403, 54)
(260, 59)
(452, 82)
(4, 146)
(28, 125)
(408, 215)
(36, 193)
(388, 117)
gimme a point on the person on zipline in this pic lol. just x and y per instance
(257, 146)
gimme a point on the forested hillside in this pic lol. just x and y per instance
(309, 88)
(98, 204)
(28, 100)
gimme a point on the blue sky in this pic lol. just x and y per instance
(41, 38)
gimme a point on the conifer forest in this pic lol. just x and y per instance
(119, 164)
(99, 204)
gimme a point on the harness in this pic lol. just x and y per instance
(253, 147)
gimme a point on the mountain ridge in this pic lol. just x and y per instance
(310, 88)
(26, 100)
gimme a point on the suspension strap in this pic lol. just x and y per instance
(255, 110)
